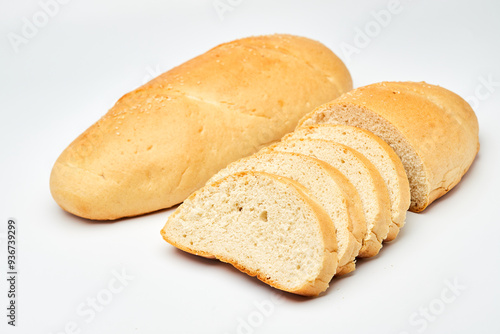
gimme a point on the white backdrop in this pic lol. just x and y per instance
(62, 70)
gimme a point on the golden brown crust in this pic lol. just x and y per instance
(329, 265)
(439, 125)
(162, 141)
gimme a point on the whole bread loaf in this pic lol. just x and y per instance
(164, 140)
(432, 130)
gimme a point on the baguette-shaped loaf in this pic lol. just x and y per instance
(164, 140)
(432, 130)
(264, 225)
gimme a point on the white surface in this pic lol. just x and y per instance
(92, 52)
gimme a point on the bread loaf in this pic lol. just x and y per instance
(380, 154)
(432, 130)
(264, 225)
(362, 174)
(329, 187)
(165, 139)
(377, 137)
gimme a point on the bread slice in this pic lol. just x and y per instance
(329, 187)
(380, 154)
(432, 130)
(362, 174)
(264, 225)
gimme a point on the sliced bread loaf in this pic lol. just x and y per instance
(380, 154)
(362, 174)
(330, 188)
(432, 130)
(264, 225)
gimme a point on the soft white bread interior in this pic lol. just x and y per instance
(432, 130)
(380, 154)
(264, 225)
(164, 140)
(362, 174)
(329, 187)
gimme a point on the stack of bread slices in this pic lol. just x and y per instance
(302, 210)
